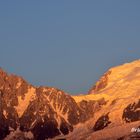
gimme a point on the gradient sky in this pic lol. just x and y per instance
(67, 44)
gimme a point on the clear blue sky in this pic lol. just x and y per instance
(67, 44)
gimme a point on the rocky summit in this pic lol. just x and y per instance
(110, 110)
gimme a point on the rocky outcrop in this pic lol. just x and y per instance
(132, 112)
(101, 123)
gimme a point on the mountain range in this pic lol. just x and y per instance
(110, 110)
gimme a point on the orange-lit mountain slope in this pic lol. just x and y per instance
(40, 113)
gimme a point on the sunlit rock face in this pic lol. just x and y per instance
(41, 113)
(44, 111)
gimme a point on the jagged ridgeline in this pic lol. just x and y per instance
(39, 113)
